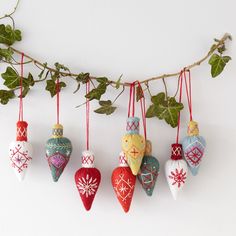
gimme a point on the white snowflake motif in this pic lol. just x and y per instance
(123, 188)
(87, 185)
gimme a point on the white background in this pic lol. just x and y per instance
(139, 39)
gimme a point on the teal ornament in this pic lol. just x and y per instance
(149, 170)
(58, 151)
(193, 147)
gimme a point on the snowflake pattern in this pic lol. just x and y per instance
(87, 186)
(178, 177)
(194, 153)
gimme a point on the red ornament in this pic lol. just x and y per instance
(123, 182)
(87, 179)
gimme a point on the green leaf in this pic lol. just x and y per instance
(12, 79)
(5, 96)
(218, 63)
(118, 82)
(61, 67)
(25, 91)
(6, 54)
(29, 80)
(83, 77)
(8, 35)
(159, 98)
(52, 87)
(108, 110)
(152, 111)
(105, 103)
(97, 92)
(102, 80)
(139, 93)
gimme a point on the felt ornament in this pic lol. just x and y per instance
(123, 182)
(58, 152)
(176, 168)
(87, 179)
(20, 151)
(193, 144)
(149, 170)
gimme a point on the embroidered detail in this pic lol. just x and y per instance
(178, 177)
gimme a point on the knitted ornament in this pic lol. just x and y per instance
(58, 151)
(149, 170)
(193, 147)
(87, 179)
(20, 151)
(176, 170)
(123, 182)
(133, 145)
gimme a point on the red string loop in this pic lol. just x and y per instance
(58, 100)
(21, 87)
(131, 99)
(87, 114)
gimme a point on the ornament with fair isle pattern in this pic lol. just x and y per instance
(133, 145)
(193, 147)
(58, 151)
(149, 170)
(123, 182)
(87, 179)
(176, 170)
(20, 151)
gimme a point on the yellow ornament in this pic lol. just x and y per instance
(133, 145)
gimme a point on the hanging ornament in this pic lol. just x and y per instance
(176, 168)
(193, 145)
(123, 182)
(87, 178)
(58, 148)
(133, 144)
(20, 151)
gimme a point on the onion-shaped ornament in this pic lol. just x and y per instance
(58, 151)
(20, 151)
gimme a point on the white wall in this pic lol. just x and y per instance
(139, 39)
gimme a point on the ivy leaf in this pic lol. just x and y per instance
(83, 77)
(6, 54)
(12, 79)
(25, 91)
(52, 87)
(61, 67)
(29, 81)
(102, 80)
(152, 111)
(108, 110)
(218, 63)
(105, 103)
(118, 82)
(42, 72)
(97, 92)
(8, 35)
(139, 93)
(5, 96)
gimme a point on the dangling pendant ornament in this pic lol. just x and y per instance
(149, 170)
(87, 179)
(21, 151)
(176, 170)
(193, 147)
(58, 151)
(123, 182)
(133, 145)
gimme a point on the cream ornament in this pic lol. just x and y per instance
(20, 151)
(133, 145)
(176, 170)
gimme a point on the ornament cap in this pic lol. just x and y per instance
(122, 160)
(193, 128)
(21, 133)
(132, 125)
(87, 159)
(148, 148)
(176, 151)
(57, 131)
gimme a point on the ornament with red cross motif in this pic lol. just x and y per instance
(193, 147)
(87, 179)
(123, 182)
(21, 151)
(176, 170)
(133, 145)
(149, 170)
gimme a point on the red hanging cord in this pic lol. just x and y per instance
(58, 100)
(87, 114)
(180, 84)
(188, 87)
(21, 85)
(131, 105)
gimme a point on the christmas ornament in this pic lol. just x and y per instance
(176, 169)
(87, 178)
(149, 170)
(133, 144)
(20, 151)
(123, 182)
(58, 148)
(193, 145)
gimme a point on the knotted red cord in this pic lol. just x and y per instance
(21, 87)
(87, 114)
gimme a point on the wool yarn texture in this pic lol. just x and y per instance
(58, 152)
